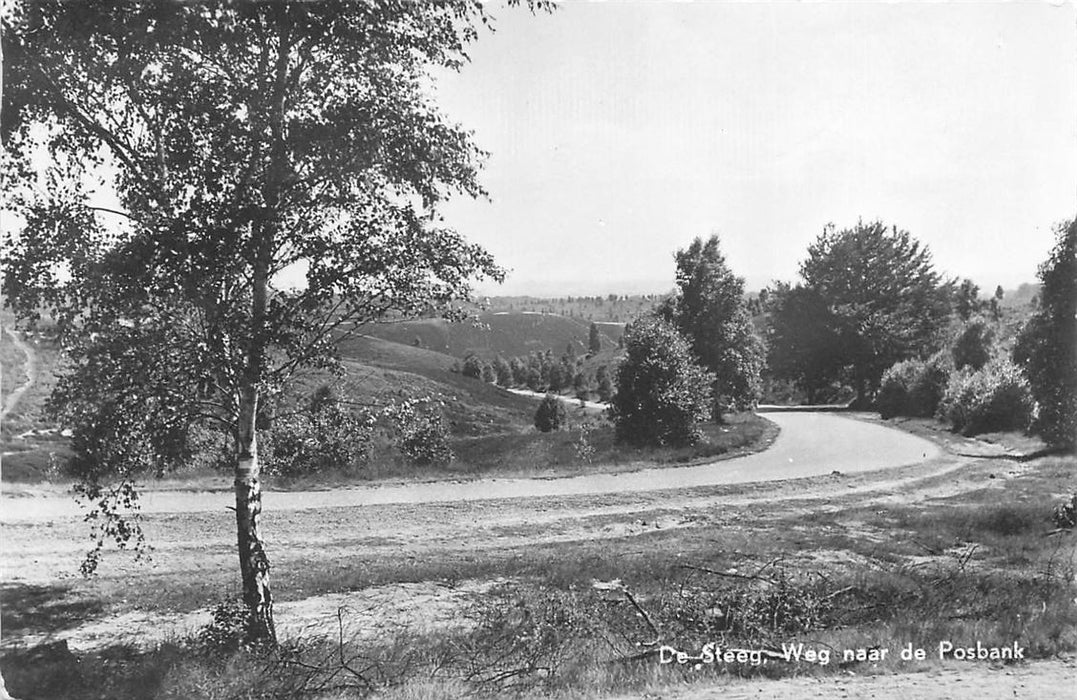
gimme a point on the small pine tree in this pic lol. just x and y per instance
(580, 386)
(605, 384)
(594, 342)
(550, 414)
(503, 371)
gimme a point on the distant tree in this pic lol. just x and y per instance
(662, 393)
(519, 371)
(1046, 347)
(594, 341)
(568, 370)
(503, 371)
(488, 374)
(887, 302)
(710, 312)
(472, 367)
(555, 378)
(550, 414)
(996, 303)
(604, 384)
(803, 341)
(580, 385)
(533, 379)
(967, 299)
(973, 345)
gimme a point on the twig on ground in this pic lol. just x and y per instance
(727, 574)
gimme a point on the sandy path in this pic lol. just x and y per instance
(12, 400)
(809, 444)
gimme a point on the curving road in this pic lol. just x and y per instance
(809, 444)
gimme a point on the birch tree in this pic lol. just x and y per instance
(246, 143)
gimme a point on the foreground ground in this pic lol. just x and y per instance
(573, 593)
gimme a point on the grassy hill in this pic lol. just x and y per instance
(381, 371)
(505, 333)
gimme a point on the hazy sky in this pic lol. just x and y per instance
(620, 131)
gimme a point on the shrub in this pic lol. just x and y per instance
(227, 630)
(662, 394)
(996, 397)
(913, 388)
(472, 367)
(972, 347)
(326, 435)
(550, 414)
(421, 433)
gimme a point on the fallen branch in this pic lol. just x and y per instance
(616, 585)
(728, 574)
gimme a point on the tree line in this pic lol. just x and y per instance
(869, 315)
(544, 372)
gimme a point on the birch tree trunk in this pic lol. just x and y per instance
(253, 562)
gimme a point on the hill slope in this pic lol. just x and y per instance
(505, 333)
(380, 371)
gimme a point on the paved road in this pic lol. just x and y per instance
(810, 444)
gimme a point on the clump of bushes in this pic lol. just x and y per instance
(550, 414)
(227, 630)
(421, 433)
(996, 397)
(914, 387)
(325, 435)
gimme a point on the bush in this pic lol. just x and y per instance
(550, 414)
(472, 367)
(227, 630)
(421, 436)
(662, 394)
(972, 347)
(326, 435)
(996, 397)
(913, 388)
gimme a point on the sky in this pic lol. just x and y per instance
(618, 132)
